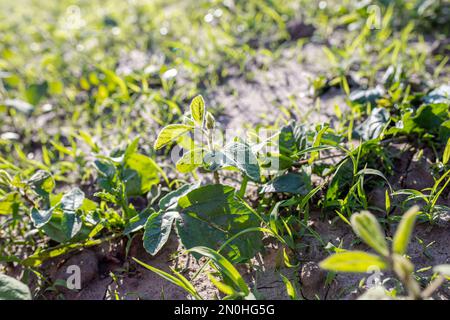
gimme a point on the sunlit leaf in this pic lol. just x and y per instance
(353, 261)
(367, 227)
(404, 230)
(170, 133)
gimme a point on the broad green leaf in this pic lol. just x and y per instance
(444, 131)
(365, 96)
(198, 110)
(292, 139)
(190, 160)
(171, 133)
(238, 155)
(140, 173)
(211, 215)
(295, 183)
(12, 289)
(42, 182)
(35, 92)
(157, 230)
(431, 116)
(438, 95)
(224, 266)
(353, 261)
(404, 230)
(170, 200)
(70, 224)
(72, 201)
(41, 217)
(373, 126)
(368, 229)
(138, 221)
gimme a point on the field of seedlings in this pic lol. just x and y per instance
(224, 149)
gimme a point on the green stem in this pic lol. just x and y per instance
(243, 188)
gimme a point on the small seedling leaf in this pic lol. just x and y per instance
(171, 133)
(403, 234)
(368, 229)
(198, 110)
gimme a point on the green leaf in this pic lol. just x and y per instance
(444, 131)
(171, 133)
(295, 183)
(365, 96)
(42, 182)
(40, 218)
(12, 289)
(353, 261)
(8, 202)
(190, 160)
(72, 201)
(367, 228)
(211, 215)
(290, 288)
(170, 200)
(70, 224)
(431, 116)
(35, 92)
(373, 126)
(157, 230)
(438, 95)
(138, 221)
(140, 173)
(446, 155)
(238, 155)
(198, 110)
(224, 266)
(404, 230)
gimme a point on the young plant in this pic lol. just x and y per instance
(231, 284)
(369, 230)
(202, 149)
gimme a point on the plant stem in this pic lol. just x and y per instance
(243, 188)
(432, 287)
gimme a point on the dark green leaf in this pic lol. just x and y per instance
(238, 155)
(157, 230)
(295, 183)
(211, 215)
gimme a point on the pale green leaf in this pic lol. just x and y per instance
(353, 261)
(170, 133)
(446, 155)
(368, 229)
(198, 109)
(403, 234)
